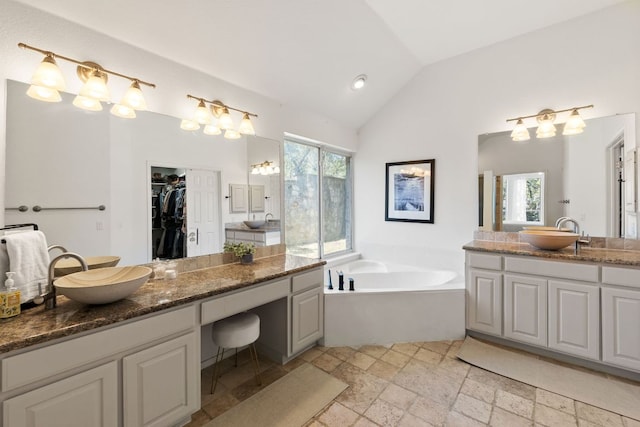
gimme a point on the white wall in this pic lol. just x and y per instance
(441, 112)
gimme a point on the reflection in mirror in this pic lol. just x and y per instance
(590, 177)
(60, 156)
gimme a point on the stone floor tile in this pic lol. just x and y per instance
(598, 416)
(417, 377)
(473, 408)
(629, 422)
(502, 418)
(220, 404)
(311, 423)
(365, 422)
(456, 419)
(454, 367)
(310, 354)
(293, 364)
(363, 388)
(395, 358)
(337, 415)
(251, 387)
(410, 420)
(361, 360)
(430, 411)
(515, 404)
(478, 390)
(373, 350)
(453, 349)
(199, 419)
(398, 396)
(428, 356)
(384, 413)
(342, 353)
(406, 348)
(440, 347)
(383, 370)
(555, 401)
(550, 417)
(503, 383)
(326, 362)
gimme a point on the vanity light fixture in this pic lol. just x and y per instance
(264, 168)
(205, 115)
(47, 81)
(546, 128)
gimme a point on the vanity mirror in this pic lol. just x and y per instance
(590, 177)
(58, 156)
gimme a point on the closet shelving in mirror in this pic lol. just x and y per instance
(207, 111)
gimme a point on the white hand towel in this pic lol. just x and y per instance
(29, 259)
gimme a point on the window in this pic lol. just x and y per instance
(317, 199)
(523, 198)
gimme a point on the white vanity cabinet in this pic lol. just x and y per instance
(621, 317)
(307, 310)
(75, 382)
(525, 309)
(258, 238)
(484, 293)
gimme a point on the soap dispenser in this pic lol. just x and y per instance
(9, 298)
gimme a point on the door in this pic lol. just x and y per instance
(484, 292)
(307, 323)
(525, 309)
(620, 332)
(203, 223)
(161, 385)
(86, 399)
(574, 318)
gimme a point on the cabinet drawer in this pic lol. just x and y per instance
(621, 276)
(230, 235)
(563, 270)
(307, 280)
(229, 305)
(488, 262)
(244, 235)
(45, 362)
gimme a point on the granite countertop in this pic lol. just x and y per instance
(599, 255)
(35, 325)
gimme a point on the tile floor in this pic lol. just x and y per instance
(409, 384)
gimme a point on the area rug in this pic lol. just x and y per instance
(290, 401)
(609, 394)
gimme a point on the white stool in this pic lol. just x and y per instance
(236, 331)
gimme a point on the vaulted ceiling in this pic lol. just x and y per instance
(306, 53)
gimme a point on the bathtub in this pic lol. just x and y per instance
(392, 303)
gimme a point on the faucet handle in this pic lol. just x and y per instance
(585, 240)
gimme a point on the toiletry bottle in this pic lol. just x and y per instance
(10, 298)
(340, 281)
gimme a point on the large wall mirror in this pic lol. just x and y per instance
(590, 177)
(59, 156)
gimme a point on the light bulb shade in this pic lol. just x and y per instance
(187, 124)
(255, 170)
(520, 132)
(546, 129)
(44, 94)
(232, 134)
(276, 169)
(123, 111)
(95, 87)
(574, 124)
(246, 127)
(85, 103)
(48, 75)
(202, 114)
(133, 98)
(212, 130)
(225, 122)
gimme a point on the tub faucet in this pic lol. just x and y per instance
(50, 296)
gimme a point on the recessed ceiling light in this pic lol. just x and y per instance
(358, 82)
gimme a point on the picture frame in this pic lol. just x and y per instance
(409, 191)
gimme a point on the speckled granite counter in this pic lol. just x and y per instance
(35, 326)
(599, 255)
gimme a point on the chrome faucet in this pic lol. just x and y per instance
(565, 219)
(582, 239)
(50, 297)
(560, 220)
(265, 217)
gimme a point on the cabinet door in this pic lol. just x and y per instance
(525, 309)
(620, 332)
(574, 318)
(161, 384)
(256, 198)
(86, 399)
(484, 301)
(238, 202)
(307, 321)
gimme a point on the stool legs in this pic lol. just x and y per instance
(220, 356)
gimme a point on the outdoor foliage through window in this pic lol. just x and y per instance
(523, 198)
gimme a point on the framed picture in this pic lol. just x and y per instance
(409, 191)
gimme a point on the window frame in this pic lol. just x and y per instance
(528, 175)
